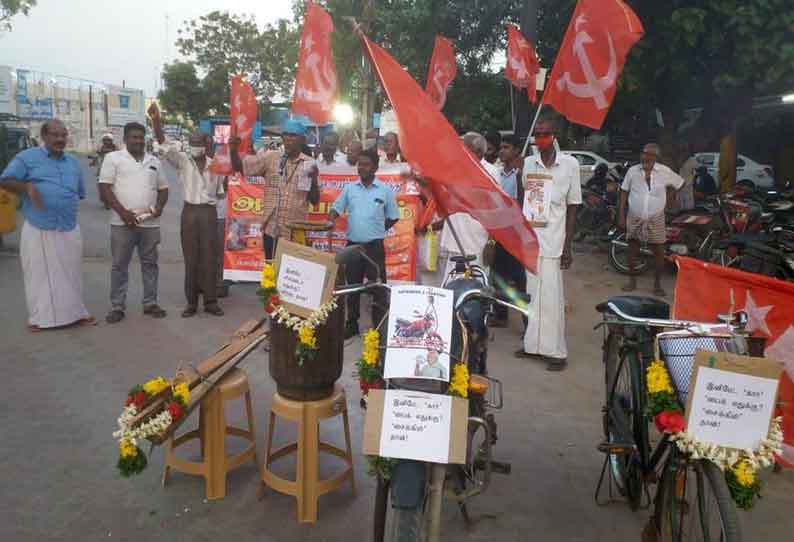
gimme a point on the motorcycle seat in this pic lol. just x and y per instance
(637, 306)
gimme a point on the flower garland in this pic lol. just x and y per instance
(459, 384)
(306, 328)
(132, 460)
(739, 467)
(368, 370)
(267, 288)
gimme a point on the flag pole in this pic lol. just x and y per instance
(512, 107)
(532, 126)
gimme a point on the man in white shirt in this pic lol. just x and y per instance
(471, 234)
(645, 189)
(198, 227)
(132, 182)
(552, 193)
(329, 151)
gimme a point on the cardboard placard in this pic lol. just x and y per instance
(732, 399)
(305, 277)
(419, 333)
(537, 198)
(404, 424)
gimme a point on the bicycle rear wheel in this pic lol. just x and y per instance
(624, 419)
(694, 504)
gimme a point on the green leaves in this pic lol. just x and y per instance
(9, 8)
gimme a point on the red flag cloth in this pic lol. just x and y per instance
(442, 71)
(522, 62)
(703, 290)
(584, 79)
(457, 179)
(243, 112)
(221, 161)
(316, 86)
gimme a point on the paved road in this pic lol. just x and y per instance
(63, 391)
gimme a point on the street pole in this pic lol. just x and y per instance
(367, 100)
(529, 27)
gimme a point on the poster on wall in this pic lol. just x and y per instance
(7, 103)
(34, 101)
(125, 105)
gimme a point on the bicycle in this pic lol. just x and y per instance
(692, 500)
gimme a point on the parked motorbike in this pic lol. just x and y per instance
(410, 502)
(598, 211)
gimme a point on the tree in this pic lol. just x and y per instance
(9, 8)
(221, 44)
(183, 92)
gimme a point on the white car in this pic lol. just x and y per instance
(588, 162)
(748, 172)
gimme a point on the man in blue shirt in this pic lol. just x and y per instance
(50, 184)
(371, 211)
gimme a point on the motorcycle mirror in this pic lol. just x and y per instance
(348, 255)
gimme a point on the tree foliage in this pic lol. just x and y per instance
(183, 92)
(9, 8)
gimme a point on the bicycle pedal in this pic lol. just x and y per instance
(616, 448)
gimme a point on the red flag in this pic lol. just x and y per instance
(584, 79)
(522, 62)
(243, 112)
(442, 71)
(703, 290)
(458, 181)
(316, 87)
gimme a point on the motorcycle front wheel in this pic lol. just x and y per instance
(619, 256)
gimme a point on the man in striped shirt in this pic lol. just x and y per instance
(199, 218)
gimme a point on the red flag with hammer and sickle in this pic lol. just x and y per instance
(316, 86)
(584, 79)
(522, 62)
(456, 177)
(442, 71)
(704, 290)
(242, 118)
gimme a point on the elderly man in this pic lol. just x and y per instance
(471, 234)
(552, 182)
(645, 189)
(290, 182)
(134, 184)
(50, 185)
(371, 209)
(391, 149)
(353, 152)
(199, 218)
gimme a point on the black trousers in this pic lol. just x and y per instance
(270, 246)
(510, 271)
(355, 273)
(199, 228)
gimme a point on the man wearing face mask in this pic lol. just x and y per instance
(290, 182)
(199, 217)
(561, 194)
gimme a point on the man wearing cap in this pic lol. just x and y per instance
(290, 182)
(107, 147)
(371, 209)
(643, 200)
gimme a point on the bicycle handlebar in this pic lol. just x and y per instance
(698, 327)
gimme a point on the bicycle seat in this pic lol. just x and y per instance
(463, 259)
(639, 307)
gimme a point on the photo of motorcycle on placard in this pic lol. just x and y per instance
(420, 331)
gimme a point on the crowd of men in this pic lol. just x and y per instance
(132, 184)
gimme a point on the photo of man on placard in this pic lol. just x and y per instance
(429, 366)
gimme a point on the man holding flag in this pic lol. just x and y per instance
(562, 192)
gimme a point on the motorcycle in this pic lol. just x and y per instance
(410, 501)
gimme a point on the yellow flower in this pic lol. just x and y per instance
(658, 379)
(459, 385)
(127, 449)
(306, 336)
(268, 277)
(155, 385)
(744, 473)
(371, 345)
(182, 392)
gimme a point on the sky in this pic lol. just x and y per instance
(111, 41)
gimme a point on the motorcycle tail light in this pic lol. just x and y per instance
(478, 385)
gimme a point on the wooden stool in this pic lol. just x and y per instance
(212, 431)
(307, 486)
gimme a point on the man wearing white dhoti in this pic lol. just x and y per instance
(552, 193)
(50, 184)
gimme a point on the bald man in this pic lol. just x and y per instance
(50, 185)
(643, 200)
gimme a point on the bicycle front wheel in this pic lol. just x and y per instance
(696, 504)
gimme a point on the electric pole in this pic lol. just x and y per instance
(367, 98)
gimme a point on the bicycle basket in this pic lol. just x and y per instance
(677, 349)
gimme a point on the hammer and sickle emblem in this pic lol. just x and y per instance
(595, 87)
